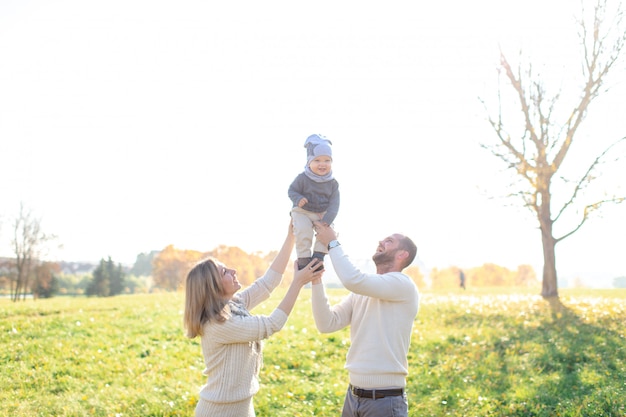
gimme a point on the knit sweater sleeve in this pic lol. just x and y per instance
(330, 319)
(260, 290)
(393, 286)
(333, 205)
(241, 329)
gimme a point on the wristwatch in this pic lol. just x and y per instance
(333, 244)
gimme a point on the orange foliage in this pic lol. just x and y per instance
(416, 275)
(248, 266)
(171, 265)
(444, 278)
(43, 277)
(487, 275)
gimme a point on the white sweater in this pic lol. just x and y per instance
(232, 349)
(380, 311)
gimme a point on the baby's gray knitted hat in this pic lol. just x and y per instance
(317, 145)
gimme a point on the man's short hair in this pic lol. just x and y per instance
(405, 243)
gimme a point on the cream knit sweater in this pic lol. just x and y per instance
(380, 311)
(232, 349)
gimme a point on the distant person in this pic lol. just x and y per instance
(462, 278)
(380, 311)
(315, 197)
(230, 336)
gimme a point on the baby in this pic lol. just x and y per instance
(315, 197)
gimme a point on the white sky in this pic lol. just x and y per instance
(130, 125)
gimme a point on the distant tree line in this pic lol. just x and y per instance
(155, 271)
(487, 275)
(165, 270)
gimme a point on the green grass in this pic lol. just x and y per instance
(474, 353)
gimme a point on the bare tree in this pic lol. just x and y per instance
(28, 243)
(535, 155)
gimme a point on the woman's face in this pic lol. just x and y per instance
(229, 280)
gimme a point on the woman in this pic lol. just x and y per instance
(230, 335)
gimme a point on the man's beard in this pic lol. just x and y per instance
(381, 258)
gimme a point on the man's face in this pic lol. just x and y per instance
(386, 250)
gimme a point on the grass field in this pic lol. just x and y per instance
(476, 353)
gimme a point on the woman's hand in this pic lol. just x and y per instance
(300, 278)
(303, 276)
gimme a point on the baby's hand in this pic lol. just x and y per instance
(302, 202)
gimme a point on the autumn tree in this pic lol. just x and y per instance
(525, 276)
(535, 141)
(486, 275)
(444, 278)
(29, 242)
(493, 275)
(249, 266)
(170, 267)
(46, 283)
(416, 275)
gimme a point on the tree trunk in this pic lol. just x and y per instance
(549, 286)
(549, 283)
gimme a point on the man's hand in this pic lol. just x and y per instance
(324, 233)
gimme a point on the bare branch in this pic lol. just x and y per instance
(596, 67)
(586, 178)
(28, 240)
(516, 82)
(587, 212)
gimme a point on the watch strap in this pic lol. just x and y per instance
(333, 244)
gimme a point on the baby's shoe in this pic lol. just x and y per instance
(303, 262)
(320, 263)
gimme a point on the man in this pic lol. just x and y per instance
(380, 311)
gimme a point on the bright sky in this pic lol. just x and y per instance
(129, 125)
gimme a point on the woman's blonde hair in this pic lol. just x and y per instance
(203, 297)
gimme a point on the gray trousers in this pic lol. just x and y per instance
(354, 406)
